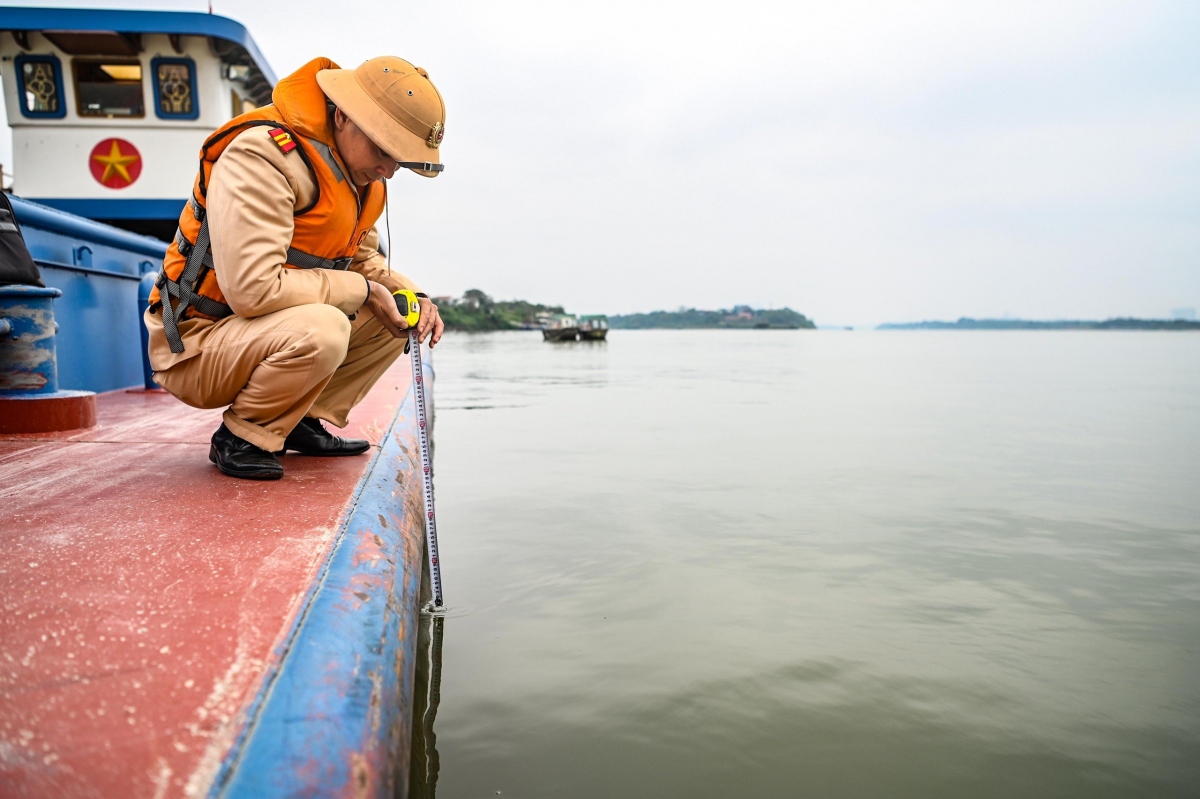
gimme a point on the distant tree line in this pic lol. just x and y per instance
(740, 316)
(476, 311)
(1124, 323)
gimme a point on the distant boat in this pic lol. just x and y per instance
(563, 327)
(593, 328)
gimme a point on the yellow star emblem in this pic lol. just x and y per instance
(115, 163)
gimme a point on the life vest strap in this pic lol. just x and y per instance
(186, 286)
(306, 260)
(205, 305)
(185, 248)
(294, 257)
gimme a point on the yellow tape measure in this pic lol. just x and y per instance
(408, 305)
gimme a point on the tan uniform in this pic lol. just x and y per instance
(291, 349)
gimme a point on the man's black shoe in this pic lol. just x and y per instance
(237, 457)
(311, 438)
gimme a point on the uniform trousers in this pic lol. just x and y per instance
(273, 370)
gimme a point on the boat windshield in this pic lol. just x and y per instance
(109, 88)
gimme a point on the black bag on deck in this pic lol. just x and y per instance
(16, 264)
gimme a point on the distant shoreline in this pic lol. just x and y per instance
(740, 317)
(1123, 323)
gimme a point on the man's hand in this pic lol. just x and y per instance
(430, 320)
(381, 303)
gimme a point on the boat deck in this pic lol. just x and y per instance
(151, 603)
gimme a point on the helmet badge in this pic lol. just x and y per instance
(435, 136)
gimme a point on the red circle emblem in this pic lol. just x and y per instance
(115, 163)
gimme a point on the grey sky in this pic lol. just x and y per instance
(857, 161)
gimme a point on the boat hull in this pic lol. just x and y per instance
(560, 334)
(593, 335)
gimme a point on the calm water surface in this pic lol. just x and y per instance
(828, 564)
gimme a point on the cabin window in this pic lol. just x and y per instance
(240, 105)
(175, 88)
(39, 86)
(109, 88)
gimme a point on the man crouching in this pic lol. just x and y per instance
(273, 299)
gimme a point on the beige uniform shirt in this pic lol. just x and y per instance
(254, 191)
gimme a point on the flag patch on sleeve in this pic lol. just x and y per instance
(283, 139)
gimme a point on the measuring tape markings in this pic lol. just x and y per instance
(410, 308)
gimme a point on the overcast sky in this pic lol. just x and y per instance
(857, 161)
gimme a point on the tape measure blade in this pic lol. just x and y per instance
(431, 545)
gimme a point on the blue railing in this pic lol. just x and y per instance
(98, 268)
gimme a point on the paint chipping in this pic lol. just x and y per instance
(361, 775)
(222, 704)
(160, 778)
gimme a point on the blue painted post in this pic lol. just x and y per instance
(144, 289)
(28, 362)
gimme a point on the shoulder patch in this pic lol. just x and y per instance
(283, 139)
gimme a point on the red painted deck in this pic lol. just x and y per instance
(144, 592)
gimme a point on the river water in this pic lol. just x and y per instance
(818, 563)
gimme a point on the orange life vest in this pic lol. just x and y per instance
(327, 231)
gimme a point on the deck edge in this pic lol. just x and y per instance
(333, 716)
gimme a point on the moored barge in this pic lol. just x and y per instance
(593, 328)
(562, 327)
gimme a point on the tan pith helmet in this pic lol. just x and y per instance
(396, 104)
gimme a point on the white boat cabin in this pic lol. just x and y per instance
(108, 109)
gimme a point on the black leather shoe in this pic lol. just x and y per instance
(311, 438)
(237, 457)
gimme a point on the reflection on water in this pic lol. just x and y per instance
(427, 695)
(775, 563)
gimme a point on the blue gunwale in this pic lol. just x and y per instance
(38, 215)
(105, 208)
